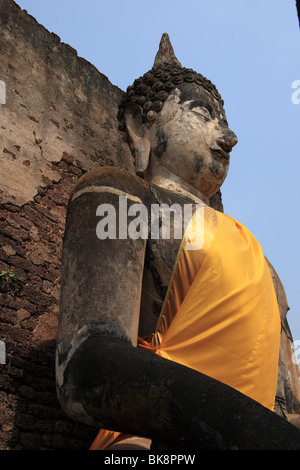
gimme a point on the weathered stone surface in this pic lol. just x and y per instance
(60, 112)
(287, 402)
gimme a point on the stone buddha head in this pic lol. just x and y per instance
(176, 126)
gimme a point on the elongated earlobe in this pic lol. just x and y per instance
(139, 137)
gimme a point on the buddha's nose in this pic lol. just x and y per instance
(228, 140)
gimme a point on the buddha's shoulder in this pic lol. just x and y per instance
(123, 182)
(112, 177)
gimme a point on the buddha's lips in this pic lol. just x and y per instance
(221, 154)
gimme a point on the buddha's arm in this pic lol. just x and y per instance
(101, 278)
(127, 389)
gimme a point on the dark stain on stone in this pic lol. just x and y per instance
(162, 143)
(198, 163)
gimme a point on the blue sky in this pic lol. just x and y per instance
(251, 51)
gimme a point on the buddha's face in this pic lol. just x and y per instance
(191, 139)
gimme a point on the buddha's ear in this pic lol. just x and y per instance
(139, 136)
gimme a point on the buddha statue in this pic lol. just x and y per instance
(168, 341)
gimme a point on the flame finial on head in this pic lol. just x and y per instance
(165, 54)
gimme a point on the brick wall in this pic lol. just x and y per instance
(58, 122)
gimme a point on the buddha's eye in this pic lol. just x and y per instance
(200, 110)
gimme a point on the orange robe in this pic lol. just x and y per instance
(220, 315)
